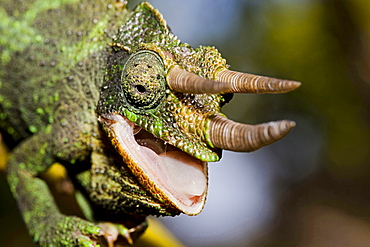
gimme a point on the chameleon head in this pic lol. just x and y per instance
(161, 106)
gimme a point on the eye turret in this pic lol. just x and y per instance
(143, 80)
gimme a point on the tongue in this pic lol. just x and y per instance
(185, 173)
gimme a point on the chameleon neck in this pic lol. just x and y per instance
(57, 54)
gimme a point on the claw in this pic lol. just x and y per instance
(140, 227)
(123, 231)
(127, 232)
(111, 232)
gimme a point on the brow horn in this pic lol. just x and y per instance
(185, 82)
(248, 83)
(230, 135)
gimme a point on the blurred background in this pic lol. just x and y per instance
(311, 188)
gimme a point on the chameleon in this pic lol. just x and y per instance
(131, 112)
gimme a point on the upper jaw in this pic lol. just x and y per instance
(178, 180)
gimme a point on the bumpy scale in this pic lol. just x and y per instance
(133, 114)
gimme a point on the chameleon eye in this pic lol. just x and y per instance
(143, 80)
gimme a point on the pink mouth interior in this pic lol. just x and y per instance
(179, 175)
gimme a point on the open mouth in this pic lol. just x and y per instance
(171, 175)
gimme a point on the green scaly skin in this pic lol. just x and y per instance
(57, 58)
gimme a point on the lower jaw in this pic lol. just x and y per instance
(156, 168)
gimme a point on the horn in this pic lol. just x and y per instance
(227, 134)
(248, 83)
(185, 82)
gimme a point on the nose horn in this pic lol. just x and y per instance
(183, 81)
(248, 83)
(227, 81)
(227, 134)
